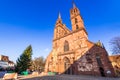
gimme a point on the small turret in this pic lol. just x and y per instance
(99, 44)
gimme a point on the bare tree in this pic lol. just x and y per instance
(115, 48)
(115, 43)
(38, 64)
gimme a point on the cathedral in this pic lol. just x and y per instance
(72, 52)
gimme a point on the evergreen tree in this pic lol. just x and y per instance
(24, 61)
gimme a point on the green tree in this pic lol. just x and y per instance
(38, 64)
(24, 61)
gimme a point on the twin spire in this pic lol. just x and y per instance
(73, 3)
(74, 6)
(59, 20)
(59, 15)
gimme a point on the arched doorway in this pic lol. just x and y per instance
(66, 46)
(67, 69)
(102, 71)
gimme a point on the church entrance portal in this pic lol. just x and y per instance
(102, 71)
(67, 66)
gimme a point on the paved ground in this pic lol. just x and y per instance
(70, 77)
(2, 73)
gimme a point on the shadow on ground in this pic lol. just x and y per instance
(70, 77)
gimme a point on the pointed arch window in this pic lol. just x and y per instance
(77, 27)
(66, 46)
(74, 11)
(76, 20)
(56, 30)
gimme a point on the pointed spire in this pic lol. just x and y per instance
(59, 15)
(59, 20)
(73, 3)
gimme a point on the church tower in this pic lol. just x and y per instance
(60, 28)
(57, 25)
(76, 19)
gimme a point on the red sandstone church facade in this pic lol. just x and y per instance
(73, 53)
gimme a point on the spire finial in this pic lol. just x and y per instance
(59, 15)
(73, 4)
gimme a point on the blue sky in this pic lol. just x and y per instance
(24, 22)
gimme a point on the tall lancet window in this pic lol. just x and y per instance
(66, 46)
(76, 20)
(77, 27)
(98, 60)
